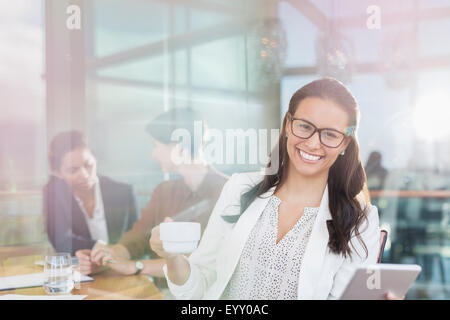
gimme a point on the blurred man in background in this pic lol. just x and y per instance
(199, 184)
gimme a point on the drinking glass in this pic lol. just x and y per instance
(58, 274)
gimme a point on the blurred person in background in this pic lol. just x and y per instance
(198, 182)
(82, 208)
(375, 172)
(376, 176)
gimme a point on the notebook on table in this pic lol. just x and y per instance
(28, 281)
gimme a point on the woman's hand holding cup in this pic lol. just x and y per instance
(171, 239)
(156, 243)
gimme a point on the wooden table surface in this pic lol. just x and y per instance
(107, 285)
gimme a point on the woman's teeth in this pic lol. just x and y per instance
(308, 156)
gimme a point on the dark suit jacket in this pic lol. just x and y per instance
(66, 225)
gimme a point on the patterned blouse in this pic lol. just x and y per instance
(267, 270)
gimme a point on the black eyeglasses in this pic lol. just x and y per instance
(331, 138)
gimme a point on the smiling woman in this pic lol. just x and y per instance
(326, 104)
(300, 232)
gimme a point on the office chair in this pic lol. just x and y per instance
(383, 238)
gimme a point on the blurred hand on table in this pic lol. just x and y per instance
(86, 266)
(93, 261)
(118, 264)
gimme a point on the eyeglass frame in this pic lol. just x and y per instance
(349, 131)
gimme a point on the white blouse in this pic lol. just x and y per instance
(267, 270)
(97, 224)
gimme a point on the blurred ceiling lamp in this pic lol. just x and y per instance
(268, 44)
(335, 56)
(396, 58)
(430, 118)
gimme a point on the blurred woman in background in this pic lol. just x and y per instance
(82, 208)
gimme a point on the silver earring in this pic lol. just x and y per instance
(342, 153)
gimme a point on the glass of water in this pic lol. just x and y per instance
(58, 274)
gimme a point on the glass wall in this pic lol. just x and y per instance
(22, 122)
(237, 63)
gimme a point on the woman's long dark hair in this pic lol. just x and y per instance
(346, 179)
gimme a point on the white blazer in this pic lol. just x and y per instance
(323, 274)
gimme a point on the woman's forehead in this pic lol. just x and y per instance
(77, 157)
(323, 113)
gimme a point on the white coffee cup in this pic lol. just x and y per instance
(179, 237)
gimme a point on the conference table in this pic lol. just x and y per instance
(107, 285)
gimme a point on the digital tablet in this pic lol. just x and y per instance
(372, 282)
